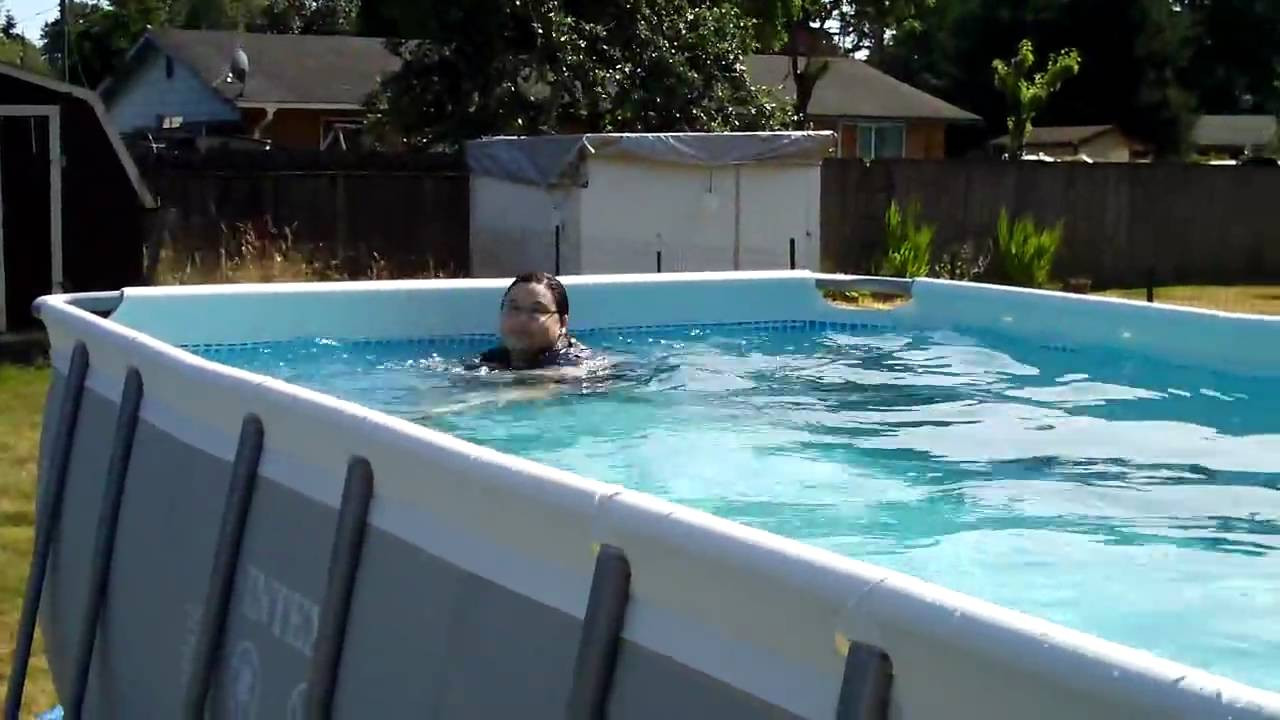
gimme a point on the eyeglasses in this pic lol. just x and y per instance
(536, 312)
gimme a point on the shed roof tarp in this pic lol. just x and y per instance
(548, 160)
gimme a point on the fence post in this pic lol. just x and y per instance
(344, 563)
(226, 559)
(601, 635)
(105, 542)
(868, 680)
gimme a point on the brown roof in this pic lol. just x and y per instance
(334, 70)
(852, 88)
(1063, 135)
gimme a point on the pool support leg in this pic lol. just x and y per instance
(344, 562)
(793, 253)
(47, 515)
(557, 249)
(864, 691)
(226, 559)
(601, 634)
(105, 541)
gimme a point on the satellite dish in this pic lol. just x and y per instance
(239, 68)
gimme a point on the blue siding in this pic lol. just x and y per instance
(149, 93)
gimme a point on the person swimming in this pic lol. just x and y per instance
(534, 327)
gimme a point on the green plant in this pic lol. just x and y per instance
(245, 254)
(1027, 94)
(909, 241)
(964, 262)
(1024, 253)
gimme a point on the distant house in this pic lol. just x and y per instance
(1234, 136)
(1099, 143)
(302, 91)
(308, 90)
(873, 114)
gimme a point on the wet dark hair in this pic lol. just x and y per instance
(548, 281)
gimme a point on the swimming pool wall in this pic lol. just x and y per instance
(474, 579)
(412, 309)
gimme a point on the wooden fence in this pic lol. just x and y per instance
(1124, 223)
(409, 211)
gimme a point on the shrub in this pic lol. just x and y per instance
(1024, 253)
(964, 262)
(909, 242)
(245, 255)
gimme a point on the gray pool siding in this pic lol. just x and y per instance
(425, 636)
(486, 622)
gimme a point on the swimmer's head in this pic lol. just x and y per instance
(534, 314)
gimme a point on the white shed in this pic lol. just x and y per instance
(585, 204)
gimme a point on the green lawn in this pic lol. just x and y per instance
(22, 391)
(1258, 299)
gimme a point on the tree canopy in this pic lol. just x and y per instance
(1027, 91)
(540, 65)
(536, 66)
(1147, 65)
(15, 49)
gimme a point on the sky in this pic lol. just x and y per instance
(32, 15)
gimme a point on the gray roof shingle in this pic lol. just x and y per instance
(1234, 130)
(1061, 135)
(852, 88)
(335, 70)
(341, 70)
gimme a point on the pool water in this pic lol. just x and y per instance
(1119, 496)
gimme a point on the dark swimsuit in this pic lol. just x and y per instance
(568, 352)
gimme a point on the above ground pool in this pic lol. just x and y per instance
(983, 502)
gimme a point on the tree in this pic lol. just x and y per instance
(102, 34)
(1137, 55)
(538, 66)
(307, 17)
(868, 26)
(217, 14)
(1235, 66)
(797, 29)
(1027, 94)
(15, 49)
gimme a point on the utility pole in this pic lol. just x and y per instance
(66, 44)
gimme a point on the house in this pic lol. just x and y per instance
(74, 211)
(299, 91)
(1098, 143)
(1235, 136)
(308, 90)
(873, 114)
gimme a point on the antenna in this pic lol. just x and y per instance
(238, 71)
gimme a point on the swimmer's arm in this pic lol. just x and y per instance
(508, 395)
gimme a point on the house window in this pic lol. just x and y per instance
(881, 140)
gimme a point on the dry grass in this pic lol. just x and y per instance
(1256, 299)
(247, 255)
(22, 392)
(863, 301)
